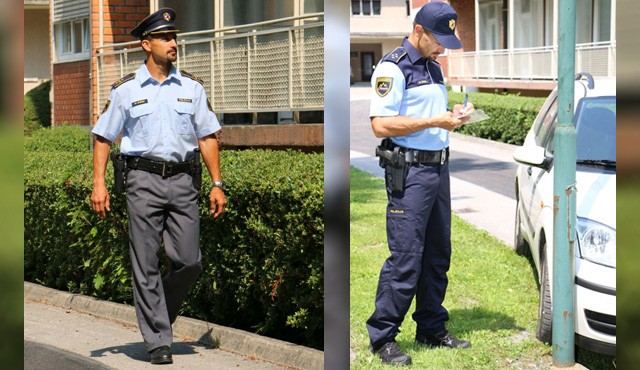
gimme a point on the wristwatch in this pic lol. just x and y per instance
(218, 184)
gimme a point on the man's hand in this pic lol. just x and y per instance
(448, 121)
(217, 201)
(461, 110)
(100, 200)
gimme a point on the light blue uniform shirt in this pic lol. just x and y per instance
(406, 84)
(161, 121)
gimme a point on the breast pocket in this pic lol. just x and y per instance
(184, 118)
(141, 119)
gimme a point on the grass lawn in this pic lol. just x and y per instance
(492, 296)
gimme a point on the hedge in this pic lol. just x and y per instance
(59, 138)
(262, 259)
(511, 116)
(37, 108)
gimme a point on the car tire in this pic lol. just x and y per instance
(543, 330)
(520, 246)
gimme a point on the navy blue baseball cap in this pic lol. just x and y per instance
(441, 20)
(160, 21)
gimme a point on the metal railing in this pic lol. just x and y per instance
(271, 66)
(534, 64)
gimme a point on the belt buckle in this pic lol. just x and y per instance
(166, 168)
(443, 156)
(409, 156)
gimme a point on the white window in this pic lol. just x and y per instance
(365, 7)
(71, 40)
(490, 25)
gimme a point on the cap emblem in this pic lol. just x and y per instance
(452, 24)
(166, 16)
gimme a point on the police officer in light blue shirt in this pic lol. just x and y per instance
(165, 118)
(409, 110)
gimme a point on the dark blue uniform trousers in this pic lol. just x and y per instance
(162, 208)
(419, 237)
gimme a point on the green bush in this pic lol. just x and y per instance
(59, 138)
(263, 259)
(511, 116)
(37, 108)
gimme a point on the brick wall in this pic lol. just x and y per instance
(71, 93)
(119, 17)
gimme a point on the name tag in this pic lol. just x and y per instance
(185, 100)
(138, 102)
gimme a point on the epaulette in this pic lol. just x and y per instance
(124, 79)
(187, 74)
(395, 56)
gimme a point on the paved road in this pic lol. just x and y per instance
(482, 171)
(38, 356)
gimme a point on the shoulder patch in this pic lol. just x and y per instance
(395, 56)
(187, 74)
(124, 79)
(383, 86)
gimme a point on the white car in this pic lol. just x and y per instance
(595, 247)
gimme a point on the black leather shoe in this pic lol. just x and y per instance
(161, 355)
(442, 339)
(391, 354)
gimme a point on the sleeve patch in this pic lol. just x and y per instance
(106, 106)
(383, 86)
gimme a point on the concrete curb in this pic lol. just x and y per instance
(228, 339)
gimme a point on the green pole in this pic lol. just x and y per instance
(564, 205)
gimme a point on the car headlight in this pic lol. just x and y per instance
(597, 242)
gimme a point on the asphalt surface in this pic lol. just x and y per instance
(482, 171)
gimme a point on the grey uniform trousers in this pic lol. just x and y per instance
(162, 208)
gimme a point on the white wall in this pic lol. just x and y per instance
(36, 44)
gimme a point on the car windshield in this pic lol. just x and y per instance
(595, 122)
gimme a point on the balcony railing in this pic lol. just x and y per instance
(269, 66)
(531, 64)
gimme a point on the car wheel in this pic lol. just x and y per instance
(520, 246)
(543, 331)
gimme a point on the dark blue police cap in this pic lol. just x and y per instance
(158, 22)
(441, 20)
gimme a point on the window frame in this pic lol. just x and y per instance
(64, 44)
(369, 4)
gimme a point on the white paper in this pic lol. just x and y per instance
(476, 116)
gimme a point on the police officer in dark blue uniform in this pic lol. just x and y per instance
(165, 118)
(409, 110)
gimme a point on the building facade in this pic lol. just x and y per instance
(510, 45)
(228, 44)
(36, 43)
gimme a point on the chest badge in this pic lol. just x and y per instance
(184, 100)
(139, 102)
(383, 86)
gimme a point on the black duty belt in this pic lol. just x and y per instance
(426, 156)
(165, 169)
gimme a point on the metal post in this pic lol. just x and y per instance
(564, 205)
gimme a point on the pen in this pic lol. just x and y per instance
(466, 100)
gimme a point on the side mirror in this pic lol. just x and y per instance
(533, 156)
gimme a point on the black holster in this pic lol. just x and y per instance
(119, 172)
(196, 170)
(393, 161)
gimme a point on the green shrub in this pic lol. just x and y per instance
(37, 108)
(511, 116)
(262, 259)
(59, 138)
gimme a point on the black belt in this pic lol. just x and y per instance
(165, 169)
(426, 156)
